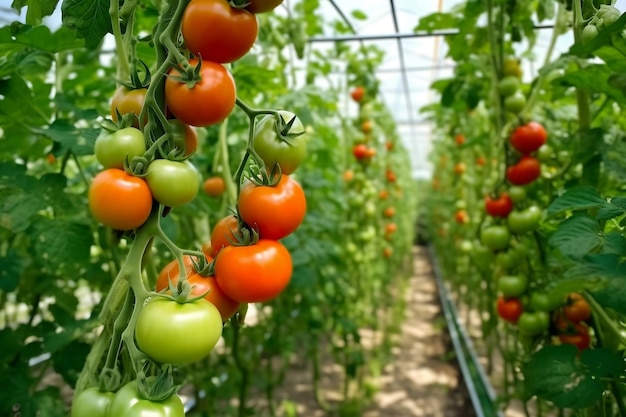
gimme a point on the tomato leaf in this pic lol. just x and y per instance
(79, 141)
(37, 9)
(11, 267)
(436, 21)
(593, 79)
(554, 375)
(610, 268)
(603, 363)
(581, 198)
(19, 36)
(577, 236)
(90, 19)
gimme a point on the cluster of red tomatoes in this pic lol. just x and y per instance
(526, 139)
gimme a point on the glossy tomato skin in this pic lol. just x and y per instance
(214, 186)
(171, 332)
(112, 149)
(262, 6)
(173, 183)
(275, 211)
(525, 171)
(91, 402)
(529, 137)
(253, 273)
(208, 102)
(127, 402)
(224, 233)
(127, 101)
(524, 221)
(498, 207)
(509, 309)
(515, 102)
(287, 152)
(118, 200)
(495, 237)
(217, 32)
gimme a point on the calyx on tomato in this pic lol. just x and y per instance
(529, 137)
(498, 207)
(281, 141)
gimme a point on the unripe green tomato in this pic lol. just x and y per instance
(112, 149)
(369, 209)
(515, 103)
(588, 34)
(466, 246)
(542, 301)
(509, 259)
(608, 14)
(517, 194)
(508, 85)
(545, 153)
(512, 285)
(460, 204)
(533, 323)
(495, 237)
(524, 221)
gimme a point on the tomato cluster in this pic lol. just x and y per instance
(570, 321)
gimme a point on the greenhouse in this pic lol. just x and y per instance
(313, 208)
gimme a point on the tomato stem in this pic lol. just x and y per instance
(123, 67)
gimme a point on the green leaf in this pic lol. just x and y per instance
(37, 9)
(580, 198)
(577, 236)
(11, 268)
(69, 361)
(609, 267)
(18, 36)
(90, 19)
(437, 21)
(603, 363)
(593, 79)
(359, 15)
(79, 141)
(19, 106)
(553, 374)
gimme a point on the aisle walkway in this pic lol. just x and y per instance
(422, 379)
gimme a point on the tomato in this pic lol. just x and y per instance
(348, 175)
(524, 172)
(495, 237)
(461, 217)
(524, 221)
(498, 207)
(200, 285)
(579, 337)
(460, 168)
(512, 285)
(511, 66)
(541, 301)
(383, 194)
(262, 6)
(387, 252)
(545, 153)
(360, 151)
(119, 200)
(459, 139)
(127, 402)
(533, 323)
(224, 233)
(576, 308)
(371, 152)
(390, 228)
(172, 183)
(214, 186)
(389, 145)
(91, 402)
(390, 175)
(287, 149)
(178, 333)
(367, 126)
(517, 194)
(253, 273)
(515, 103)
(589, 33)
(509, 309)
(127, 101)
(508, 85)
(481, 161)
(217, 32)
(207, 102)
(185, 136)
(112, 149)
(389, 212)
(274, 211)
(357, 93)
(528, 138)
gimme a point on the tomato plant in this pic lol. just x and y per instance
(253, 273)
(113, 149)
(281, 143)
(205, 102)
(275, 211)
(172, 183)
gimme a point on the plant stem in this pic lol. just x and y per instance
(123, 67)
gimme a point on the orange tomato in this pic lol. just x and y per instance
(224, 233)
(366, 126)
(127, 101)
(214, 186)
(357, 93)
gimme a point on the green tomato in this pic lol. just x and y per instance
(515, 103)
(533, 323)
(172, 183)
(112, 149)
(545, 153)
(127, 402)
(495, 237)
(91, 403)
(608, 14)
(508, 85)
(541, 301)
(178, 333)
(588, 33)
(517, 194)
(286, 147)
(524, 221)
(512, 285)
(509, 259)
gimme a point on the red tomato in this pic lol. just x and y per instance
(459, 139)
(509, 309)
(207, 102)
(253, 273)
(360, 151)
(389, 212)
(528, 138)
(357, 93)
(498, 207)
(390, 175)
(224, 233)
(217, 32)
(275, 211)
(119, 200)
(576, 308)
(578, 335)
(524, 172)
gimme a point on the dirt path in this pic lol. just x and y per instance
(422, 379)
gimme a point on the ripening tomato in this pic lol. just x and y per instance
(214, 186)
(578, 336)
(481, 161)
(461, 216)
(127, 402)
(390, 228)
(528, 138)
(383, 194)
(119, 200)
(112, 149)
(459, 139)
(224, 233)
(367, 126)
(205, 103)
(357, 93)
(91, 402)
(527, 170)
(576, 308)
(348, 175)
(178, 333)
(509, 309)
(185, 136)
(287, 148)
(498, 207)
(125, 101)
(389, 212)
(262, 6)
(173, 183)
(387, 252)
(460, 168)
(218, 32)
(390, 175)
(360, 151)
(275, 211)
(253, 273)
